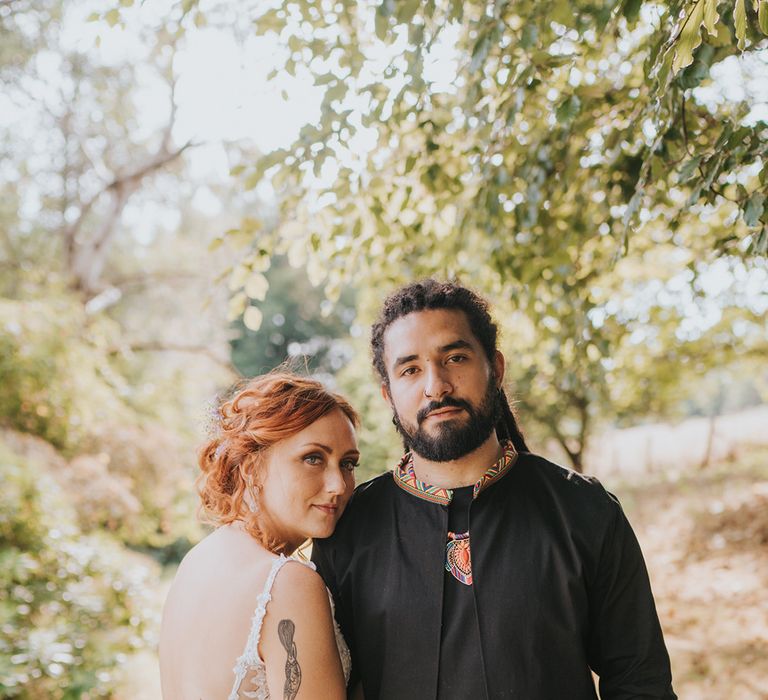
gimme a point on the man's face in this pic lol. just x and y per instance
(442, 388)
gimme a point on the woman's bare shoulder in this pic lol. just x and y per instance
(224, 551)
(298, 584)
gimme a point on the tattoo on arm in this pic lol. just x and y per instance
(285, 630)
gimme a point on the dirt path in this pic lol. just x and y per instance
(705, 539)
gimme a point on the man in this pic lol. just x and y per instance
(476, 569)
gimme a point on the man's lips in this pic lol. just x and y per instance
(445, 412)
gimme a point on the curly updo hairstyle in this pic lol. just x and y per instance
(431, 294)
(261, 413)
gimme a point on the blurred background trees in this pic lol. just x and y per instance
(598, 170)
(108, 351)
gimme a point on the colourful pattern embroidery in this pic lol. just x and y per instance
(458, 560)
(497, 470)
(405, 478)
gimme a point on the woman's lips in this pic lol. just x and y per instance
(327, 508)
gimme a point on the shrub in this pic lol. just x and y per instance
(70, 607)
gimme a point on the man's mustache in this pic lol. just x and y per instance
(448, 401)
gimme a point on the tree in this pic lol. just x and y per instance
(83, 364)
(567, 136)
(524, 147)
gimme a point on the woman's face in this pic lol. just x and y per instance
(308, 479)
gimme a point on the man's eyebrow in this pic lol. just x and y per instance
(457, 345)
(402, 360)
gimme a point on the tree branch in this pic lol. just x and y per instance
(143, 278)
(157, 346)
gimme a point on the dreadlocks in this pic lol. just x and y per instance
(430, 294)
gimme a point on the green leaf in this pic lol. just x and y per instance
(740, 23)
(252, 180)
(723, 37)
(690, 167)
(480, 51)
(112, 17)
(754, 209)
(568, 109)
(406, 9)
(562, 13)
(693, 75)
(236, 306)
(631, 9)
(690, 36)
(759, 244)
(256, 286)
(457, 10)
(762, 16)
(663, 71)
(711, 17)
(252, 318)
(382, 24)
(529, 36)
(215, 243)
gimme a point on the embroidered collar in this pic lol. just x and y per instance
(405, 478)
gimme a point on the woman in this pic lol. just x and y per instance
(279, 471)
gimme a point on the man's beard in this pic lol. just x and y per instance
(452, 438)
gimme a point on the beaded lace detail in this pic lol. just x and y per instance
(250, 665)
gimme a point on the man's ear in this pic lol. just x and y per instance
(385, 393)
(498, 366)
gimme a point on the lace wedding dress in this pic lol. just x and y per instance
(249, 669)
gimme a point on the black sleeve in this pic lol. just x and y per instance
(322, 558)
(626, 647)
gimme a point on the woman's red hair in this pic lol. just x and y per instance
(266, 410)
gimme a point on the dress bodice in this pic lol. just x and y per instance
(250, 671)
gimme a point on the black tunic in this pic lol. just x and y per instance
(559, 588)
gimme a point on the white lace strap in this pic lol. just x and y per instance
(250, 655)
(251, 652)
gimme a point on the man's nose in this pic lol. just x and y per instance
(437, 384)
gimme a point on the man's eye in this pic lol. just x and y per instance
(457, 358)
(408, 371)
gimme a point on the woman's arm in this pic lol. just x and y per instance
(297, 640)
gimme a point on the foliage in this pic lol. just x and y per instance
(564, 137)
(55, 380)
(298, 322)
(70, 606)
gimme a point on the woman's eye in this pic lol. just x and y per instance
(350, 465)
(313, 459)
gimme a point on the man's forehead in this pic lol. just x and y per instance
(427, 329)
